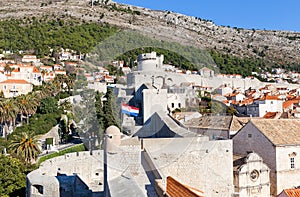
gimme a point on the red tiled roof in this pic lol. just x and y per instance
(19, 81)
(292, 192)
(36, 70)
(177, 189)
(269, 97)
(288, 103)
(270, 115)
(247, 101)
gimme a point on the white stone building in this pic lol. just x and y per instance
(192, 161)
(154, 100)
(150, 62)
(269, 104)
(278, 143)
(251, 176)
(223, 90)
(30, 59)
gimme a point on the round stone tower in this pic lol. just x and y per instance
(150, 62)
(113, 139)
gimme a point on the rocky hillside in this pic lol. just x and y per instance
(274, 46)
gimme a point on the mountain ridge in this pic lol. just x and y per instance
(272, 46)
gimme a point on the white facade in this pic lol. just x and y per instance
(30, 58)
(223, 90)
(252, 178)
(275, 142)
(28, 73)
(154, 100)
(269, 106)
(176, 101)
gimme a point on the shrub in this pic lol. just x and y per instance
(76, 148)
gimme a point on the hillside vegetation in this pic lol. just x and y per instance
(249, 49)
(39, 35)
(273, 47)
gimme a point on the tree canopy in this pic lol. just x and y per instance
(25, 146)
(12, 176)
(41, 35)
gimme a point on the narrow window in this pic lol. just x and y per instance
(179, 105)
(172, 105)
(292, 160)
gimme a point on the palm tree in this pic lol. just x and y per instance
(61, 81)
(8, 113)
(27, 105)
(46, 90)
(25, 145)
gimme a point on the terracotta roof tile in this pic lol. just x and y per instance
(270, 115)
(238, 122)
(287, 104)
(16, 70)
(269, 97)
(279, 131)
(210, 122)
(177, 189)
(292, 192)
(36, 70)
(19, 81)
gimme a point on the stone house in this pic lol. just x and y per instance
(26, 72)
(194, 162)
(30, 59)
(215, 127)
(15, 87)
(224, 89)
(278, 143)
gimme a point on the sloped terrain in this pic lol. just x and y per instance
(281, 47)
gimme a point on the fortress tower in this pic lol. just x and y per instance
(150, 62)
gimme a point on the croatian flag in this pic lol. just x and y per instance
(130, 110)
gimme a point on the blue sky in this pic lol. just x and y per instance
(257, 14)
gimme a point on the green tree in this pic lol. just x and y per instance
(101, 116)
(7, 69)
(217, 107)
(27, 105)
(8, 113)
(99, 109)
(111, 110)
(230, 110)
(12, 176)
(48, 105)
(70, 82)
(25, 146)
